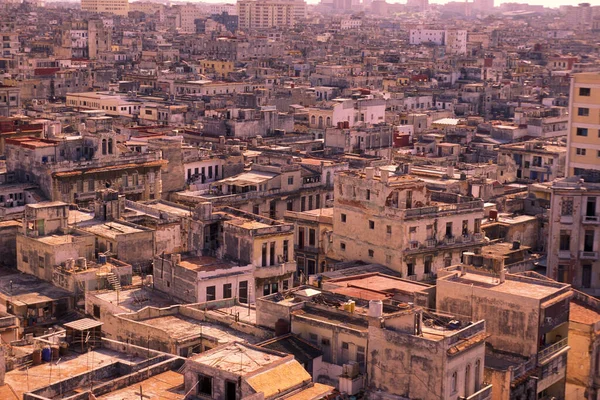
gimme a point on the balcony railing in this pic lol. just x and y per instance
(588, 255)
(411, 277)
(590, 220)
(564, 254)
(430, 243)
(483, 394)
(551, 350)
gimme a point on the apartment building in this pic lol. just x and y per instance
(266, 14)
(365, 343)
(117, 7)
(72, 169)
(527, 322)
(574, 231)
(10, 100)
(9, 43)
(533, 160)
(394, 220)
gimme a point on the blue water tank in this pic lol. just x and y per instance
(47, 354)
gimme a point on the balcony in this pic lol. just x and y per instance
(551, 350)
(271, 271)
(413, 245)
(564, 254)
(588, 255)
(590, 220)
(132, 189)
(449, 240)
(429, 243)
(478, 237)
(306, 249)
(466, 238)
(411, 277)
(483, 394)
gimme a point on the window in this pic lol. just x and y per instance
(562, 273)
(582, 131)
(448, 229)
(256, 209)
(566, 207)
(585, 91)
(211, 293)
(311, 237)
(371, 253)
(588, 241)
(586, 276)
(368, 194)
(583, 112)
(264, 255)
(204, 385)
(454, 382)
(410, 269)
(371, 224)
(360, 357)
(313, 338)
(565, 240)
(580, 152)
(290, 205)
(96, 311)
(412, 230)
(388, 229)
(286, 251)
(428, 262)
(290, 180)
(272, 253)
(343, 218)
(227, 291)
(342, 246)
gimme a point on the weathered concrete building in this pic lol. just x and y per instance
(392, 219)
(527, 320)
(573, 244)
(313, 231)
(366, 344)
(72, 169)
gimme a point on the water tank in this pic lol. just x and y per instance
(281, 327)
(375, 308)
(101, 259)
(82, 263)
(494, 215)
(47, 354)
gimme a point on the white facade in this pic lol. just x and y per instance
(454, 40)
(117, 7)
(263, 14)
(419, 36)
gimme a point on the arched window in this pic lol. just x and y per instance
(467, 380)
(104, 146)
(328, 178)
(477, 375)
(328, 122)
(320, 122)
(110, 146)
(312, 120)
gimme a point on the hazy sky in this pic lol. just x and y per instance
(547, 3)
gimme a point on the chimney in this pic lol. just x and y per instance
(385, 175)
(370, 173)
(516, 245)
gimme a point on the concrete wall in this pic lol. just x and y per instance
(512, 320)
(8, 243)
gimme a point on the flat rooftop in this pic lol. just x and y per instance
(131, 300)
(182, 328)
(168, 385)
(583, 314)
(205, 264)
(37, 376)
(378, 282)
(23, 289)
(535, 289)
(112, 229)
(237, 358)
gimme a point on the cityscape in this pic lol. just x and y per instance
(282, 199)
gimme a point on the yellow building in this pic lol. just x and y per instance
(573, 244)
(584, 124)
(117, 7)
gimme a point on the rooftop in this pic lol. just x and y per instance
(168, 385)
(205, 264)
(112, 229)
(517, 286)
(182, 328)
(238, 358)
(23, 289)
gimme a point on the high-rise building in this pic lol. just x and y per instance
(574, 241)
(117, 7)
(264, 14)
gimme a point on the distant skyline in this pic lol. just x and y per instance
(547, 3)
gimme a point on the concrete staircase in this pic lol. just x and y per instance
(113, 280)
